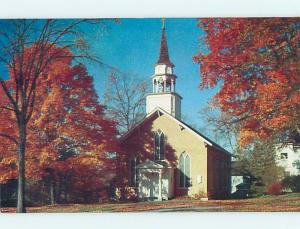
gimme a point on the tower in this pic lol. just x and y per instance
(163, 93)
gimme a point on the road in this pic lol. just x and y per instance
(190, 209)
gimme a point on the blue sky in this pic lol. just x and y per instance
(133, 47)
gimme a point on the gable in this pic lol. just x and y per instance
(150, 165)
(177, 135)
(172, 124)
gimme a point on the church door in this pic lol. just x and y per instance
(153, 187)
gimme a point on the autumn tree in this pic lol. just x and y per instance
(20, 93)
(256, 63)
(257, 160)
(68, 136)
(74, 127)
(125, 99)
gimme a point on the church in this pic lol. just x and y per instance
(166, 157)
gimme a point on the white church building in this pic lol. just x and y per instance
(164, 156)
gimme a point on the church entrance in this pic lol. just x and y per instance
(151, 185)
(155, 181)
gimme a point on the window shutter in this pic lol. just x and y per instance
(162, 147)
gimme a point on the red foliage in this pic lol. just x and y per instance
(256, 62)
(68, 134)
(274, 188)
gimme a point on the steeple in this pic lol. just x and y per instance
(164, 52)
(163, 94)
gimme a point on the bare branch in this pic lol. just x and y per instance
(8, 108)
(8, 94)
(125, 99)
(9, 138)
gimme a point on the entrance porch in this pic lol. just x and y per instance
(155, 181)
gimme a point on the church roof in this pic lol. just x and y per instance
(164, 52)
(181, 123)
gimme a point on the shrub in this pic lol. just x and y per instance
(257, 189)
(274, 188)
(131, 194)
(103, 195)
(291, 183)
(199, 195)
(8, 191)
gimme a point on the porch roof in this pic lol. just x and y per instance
(154, 165)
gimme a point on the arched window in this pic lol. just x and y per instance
(133, 171)
(156, 146)
(162, 147)
(159, 146)
(181, 168)
(185, 170)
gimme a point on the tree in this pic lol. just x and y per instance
(26, 69)
(68, 133)
(259, 161)
(256, 63)
(74, 126)
(125, 99)
(217, 125)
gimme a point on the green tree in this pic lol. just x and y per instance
(259, 161)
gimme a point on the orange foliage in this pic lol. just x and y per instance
(68, 133)
(256, 61)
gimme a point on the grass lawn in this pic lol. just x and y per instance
(287, 202)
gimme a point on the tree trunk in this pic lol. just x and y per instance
(58, 190)
(21, 162)
(65, 190)
(52, 193)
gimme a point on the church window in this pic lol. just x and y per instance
(284, 156)
(133, 171)
(159, 146)
(296, 164)
(185, 170)
(181, 168)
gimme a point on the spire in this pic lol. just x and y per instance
(163, 23)
(164, 53)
